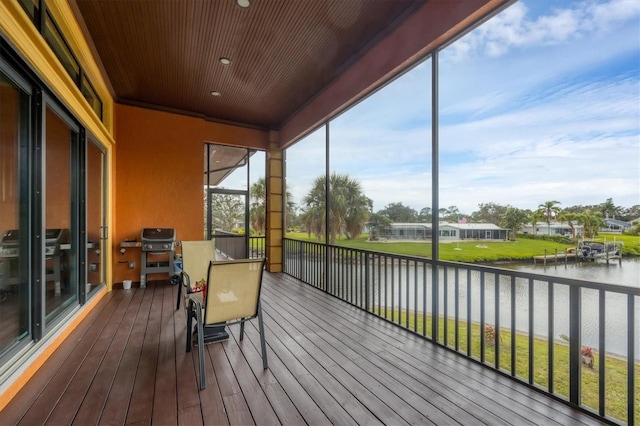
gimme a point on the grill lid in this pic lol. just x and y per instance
(52, 236)
(158, 234)
(158, 239)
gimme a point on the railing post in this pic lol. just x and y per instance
(631, 343)
(550, 341)
(575, 316)
(482, 315)
(367, 282)
(435, 299)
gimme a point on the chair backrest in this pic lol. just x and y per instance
(196, 256)
(233, 290)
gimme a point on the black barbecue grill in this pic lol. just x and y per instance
(158, 250)
(10, 252)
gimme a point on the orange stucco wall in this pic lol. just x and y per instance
(159, 160)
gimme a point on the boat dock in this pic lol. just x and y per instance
(555, 257)
(586, 251)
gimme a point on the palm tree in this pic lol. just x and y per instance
(257, 209)
(349, 208)
(258, 206)
(569, 218)
(608, 209)
(550, 210)
(313, 214)
(534, 218)
(513, 219)
(592, 221)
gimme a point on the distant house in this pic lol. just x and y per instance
(448, 231)
(616, 225)
(472, 231)
(406, 231)
(554, 228)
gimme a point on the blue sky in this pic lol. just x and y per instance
(540, 103)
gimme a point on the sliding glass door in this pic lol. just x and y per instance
(60, 288)
(15, 308)
(95, 216)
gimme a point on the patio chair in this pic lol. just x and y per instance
(196, 256)
(232, 296)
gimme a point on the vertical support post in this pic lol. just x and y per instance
(327, 188)
(435, 228)
(275, 204)
(574, 344)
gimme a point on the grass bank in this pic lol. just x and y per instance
(616, 368)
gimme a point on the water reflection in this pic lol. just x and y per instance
(396, 287)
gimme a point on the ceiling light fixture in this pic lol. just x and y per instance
(243, 3)
(225, 61)
(215, 93)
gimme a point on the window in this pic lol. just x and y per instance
(531, 113)
(31, 7)
(380, 160)
(305, 171)
(60, 260)
(54, 37)
(95, 217)
(15, 308)
(91, 96)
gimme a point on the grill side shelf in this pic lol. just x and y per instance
(131, 244)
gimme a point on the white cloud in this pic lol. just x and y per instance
(532, 108)
(514, 28)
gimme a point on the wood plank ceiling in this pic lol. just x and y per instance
(166, 54)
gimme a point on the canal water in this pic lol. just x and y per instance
(625, 274)
(397, 289)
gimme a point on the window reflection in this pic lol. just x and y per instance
(14, 283)
(95, 217)
(60, 289)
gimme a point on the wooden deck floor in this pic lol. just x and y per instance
(329, 363)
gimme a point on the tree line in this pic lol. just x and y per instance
(350, 211)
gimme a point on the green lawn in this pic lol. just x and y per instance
(616, 371)
(473, 251)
